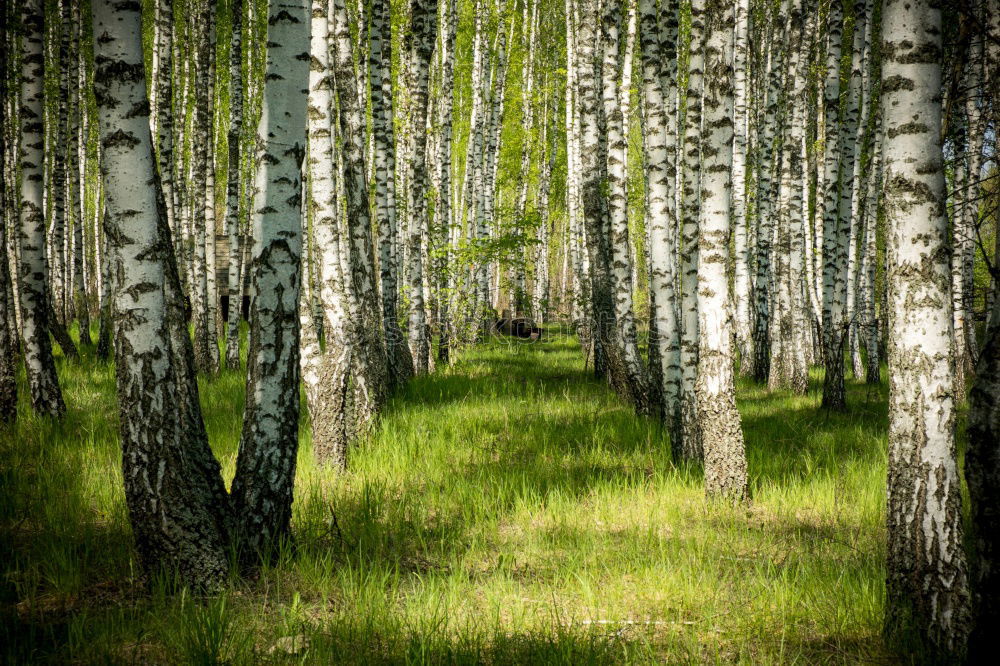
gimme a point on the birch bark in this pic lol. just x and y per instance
(690, 444)
(43, 383)
(173, 488)
(423, 27)
(659, 150)
(718, 419)
(265, 466)
(400, 361)
(614, 70)
(835, 229)
(233, 181)
(927, 587)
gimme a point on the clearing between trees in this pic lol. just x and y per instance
(508, 509)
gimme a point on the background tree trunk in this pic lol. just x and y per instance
(400, 361)
(46, 397)
(690, 446)
(423, 27)
(235, 296)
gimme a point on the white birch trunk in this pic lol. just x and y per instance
(265, 466)
(43, 383)
(173, 488)
(423, 27)
(690, 445)
(614, 70)
(718, 419)
(927, 588)
(835, 227)
(233, 181)
(741, 248)
(659, 148)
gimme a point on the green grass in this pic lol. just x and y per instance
(508, 509)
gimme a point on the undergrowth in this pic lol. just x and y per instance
(508, 509)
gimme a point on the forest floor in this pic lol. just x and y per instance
(509, 509)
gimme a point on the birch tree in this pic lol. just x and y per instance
(788, 364)
(659, 154)
(423, 27)
(852, 135)
(9, 347)
(163, 103)
(767, 163)
(741, 236)
(982, 457)
(835, 229)
(369, 369)
(982, 473)
(927, 587)
(202, 223)
(233, 186)
(43, 383)
(718, 418)
(690, 439)
(74, 160)
(609, 355)
(540, 302)
(614, 70)
(326, 373)
(445, 211)
(265, 466)
(400, 361)
(529, 22)
(173, 488)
